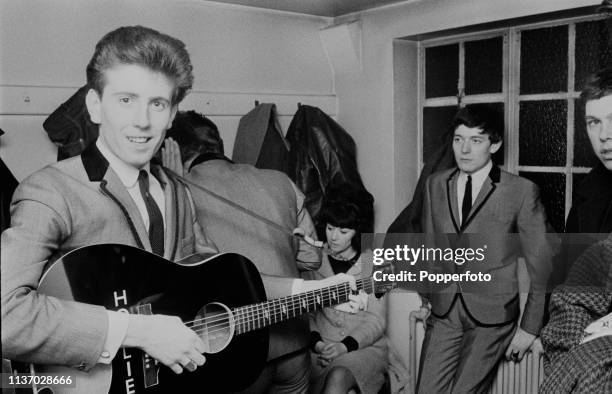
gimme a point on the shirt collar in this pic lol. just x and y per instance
(127, 174)
(479, 176)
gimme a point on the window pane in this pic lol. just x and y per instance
(592, 50)
(483, 66)
(436, 123)
(552, 191)
(542, 133)
(544, 60)
(441, 70)
(583, 152)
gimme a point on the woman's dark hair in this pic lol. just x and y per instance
(347, 207)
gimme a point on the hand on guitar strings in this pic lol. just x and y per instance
(166, 339)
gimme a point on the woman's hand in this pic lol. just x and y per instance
(319, 346)
(330, 352)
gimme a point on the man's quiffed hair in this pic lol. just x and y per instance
(483, 116)
(598, 85)
(145, 47)
(195, 134)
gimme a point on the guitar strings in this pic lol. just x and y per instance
(292, 300)
(292, 303)
(247, 314)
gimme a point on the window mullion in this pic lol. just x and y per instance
(461, 79)
(571, 62)
(513, 69)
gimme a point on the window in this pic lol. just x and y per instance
(534, 74)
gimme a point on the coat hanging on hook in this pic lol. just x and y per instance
(260, 140)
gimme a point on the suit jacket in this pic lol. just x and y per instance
(276, 253)
(591, 214)
(505, 204)
(592, 207)
(66, 205)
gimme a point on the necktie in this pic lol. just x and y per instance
(156, 221)
(467, 200)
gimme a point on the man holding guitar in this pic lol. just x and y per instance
(111, 193)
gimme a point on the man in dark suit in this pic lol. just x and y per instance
(591, 210)
(473, 324)
(258, 193)
(578, 350)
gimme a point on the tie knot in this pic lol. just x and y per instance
(143, 181)
(143, 176)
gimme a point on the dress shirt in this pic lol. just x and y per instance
(117, 321)
(478, 179)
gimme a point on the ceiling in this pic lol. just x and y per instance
(330, 8)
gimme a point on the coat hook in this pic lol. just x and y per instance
(256, 103)
(299, 105)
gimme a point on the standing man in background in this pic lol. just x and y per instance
(591, 210)
(473, 325)
(577, 339)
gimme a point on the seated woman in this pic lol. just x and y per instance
(578, 337)
(349, 349)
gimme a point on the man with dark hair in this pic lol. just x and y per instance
(591, 210)
(237, 217)
(472, 325)
(111, 193)
(577, 338)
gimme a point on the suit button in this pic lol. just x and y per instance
(82, 366)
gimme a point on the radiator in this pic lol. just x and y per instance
(519, 378)
(511, 378)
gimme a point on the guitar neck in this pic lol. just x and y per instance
(257, 316)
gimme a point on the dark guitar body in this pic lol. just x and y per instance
(119, 276)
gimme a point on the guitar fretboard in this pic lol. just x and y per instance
(256, 316)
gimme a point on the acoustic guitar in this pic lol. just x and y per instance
(222, 298)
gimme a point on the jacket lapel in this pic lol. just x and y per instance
(119, 193)
(451, 197)
(99, 173)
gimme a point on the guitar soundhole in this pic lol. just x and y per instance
(215, 324)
